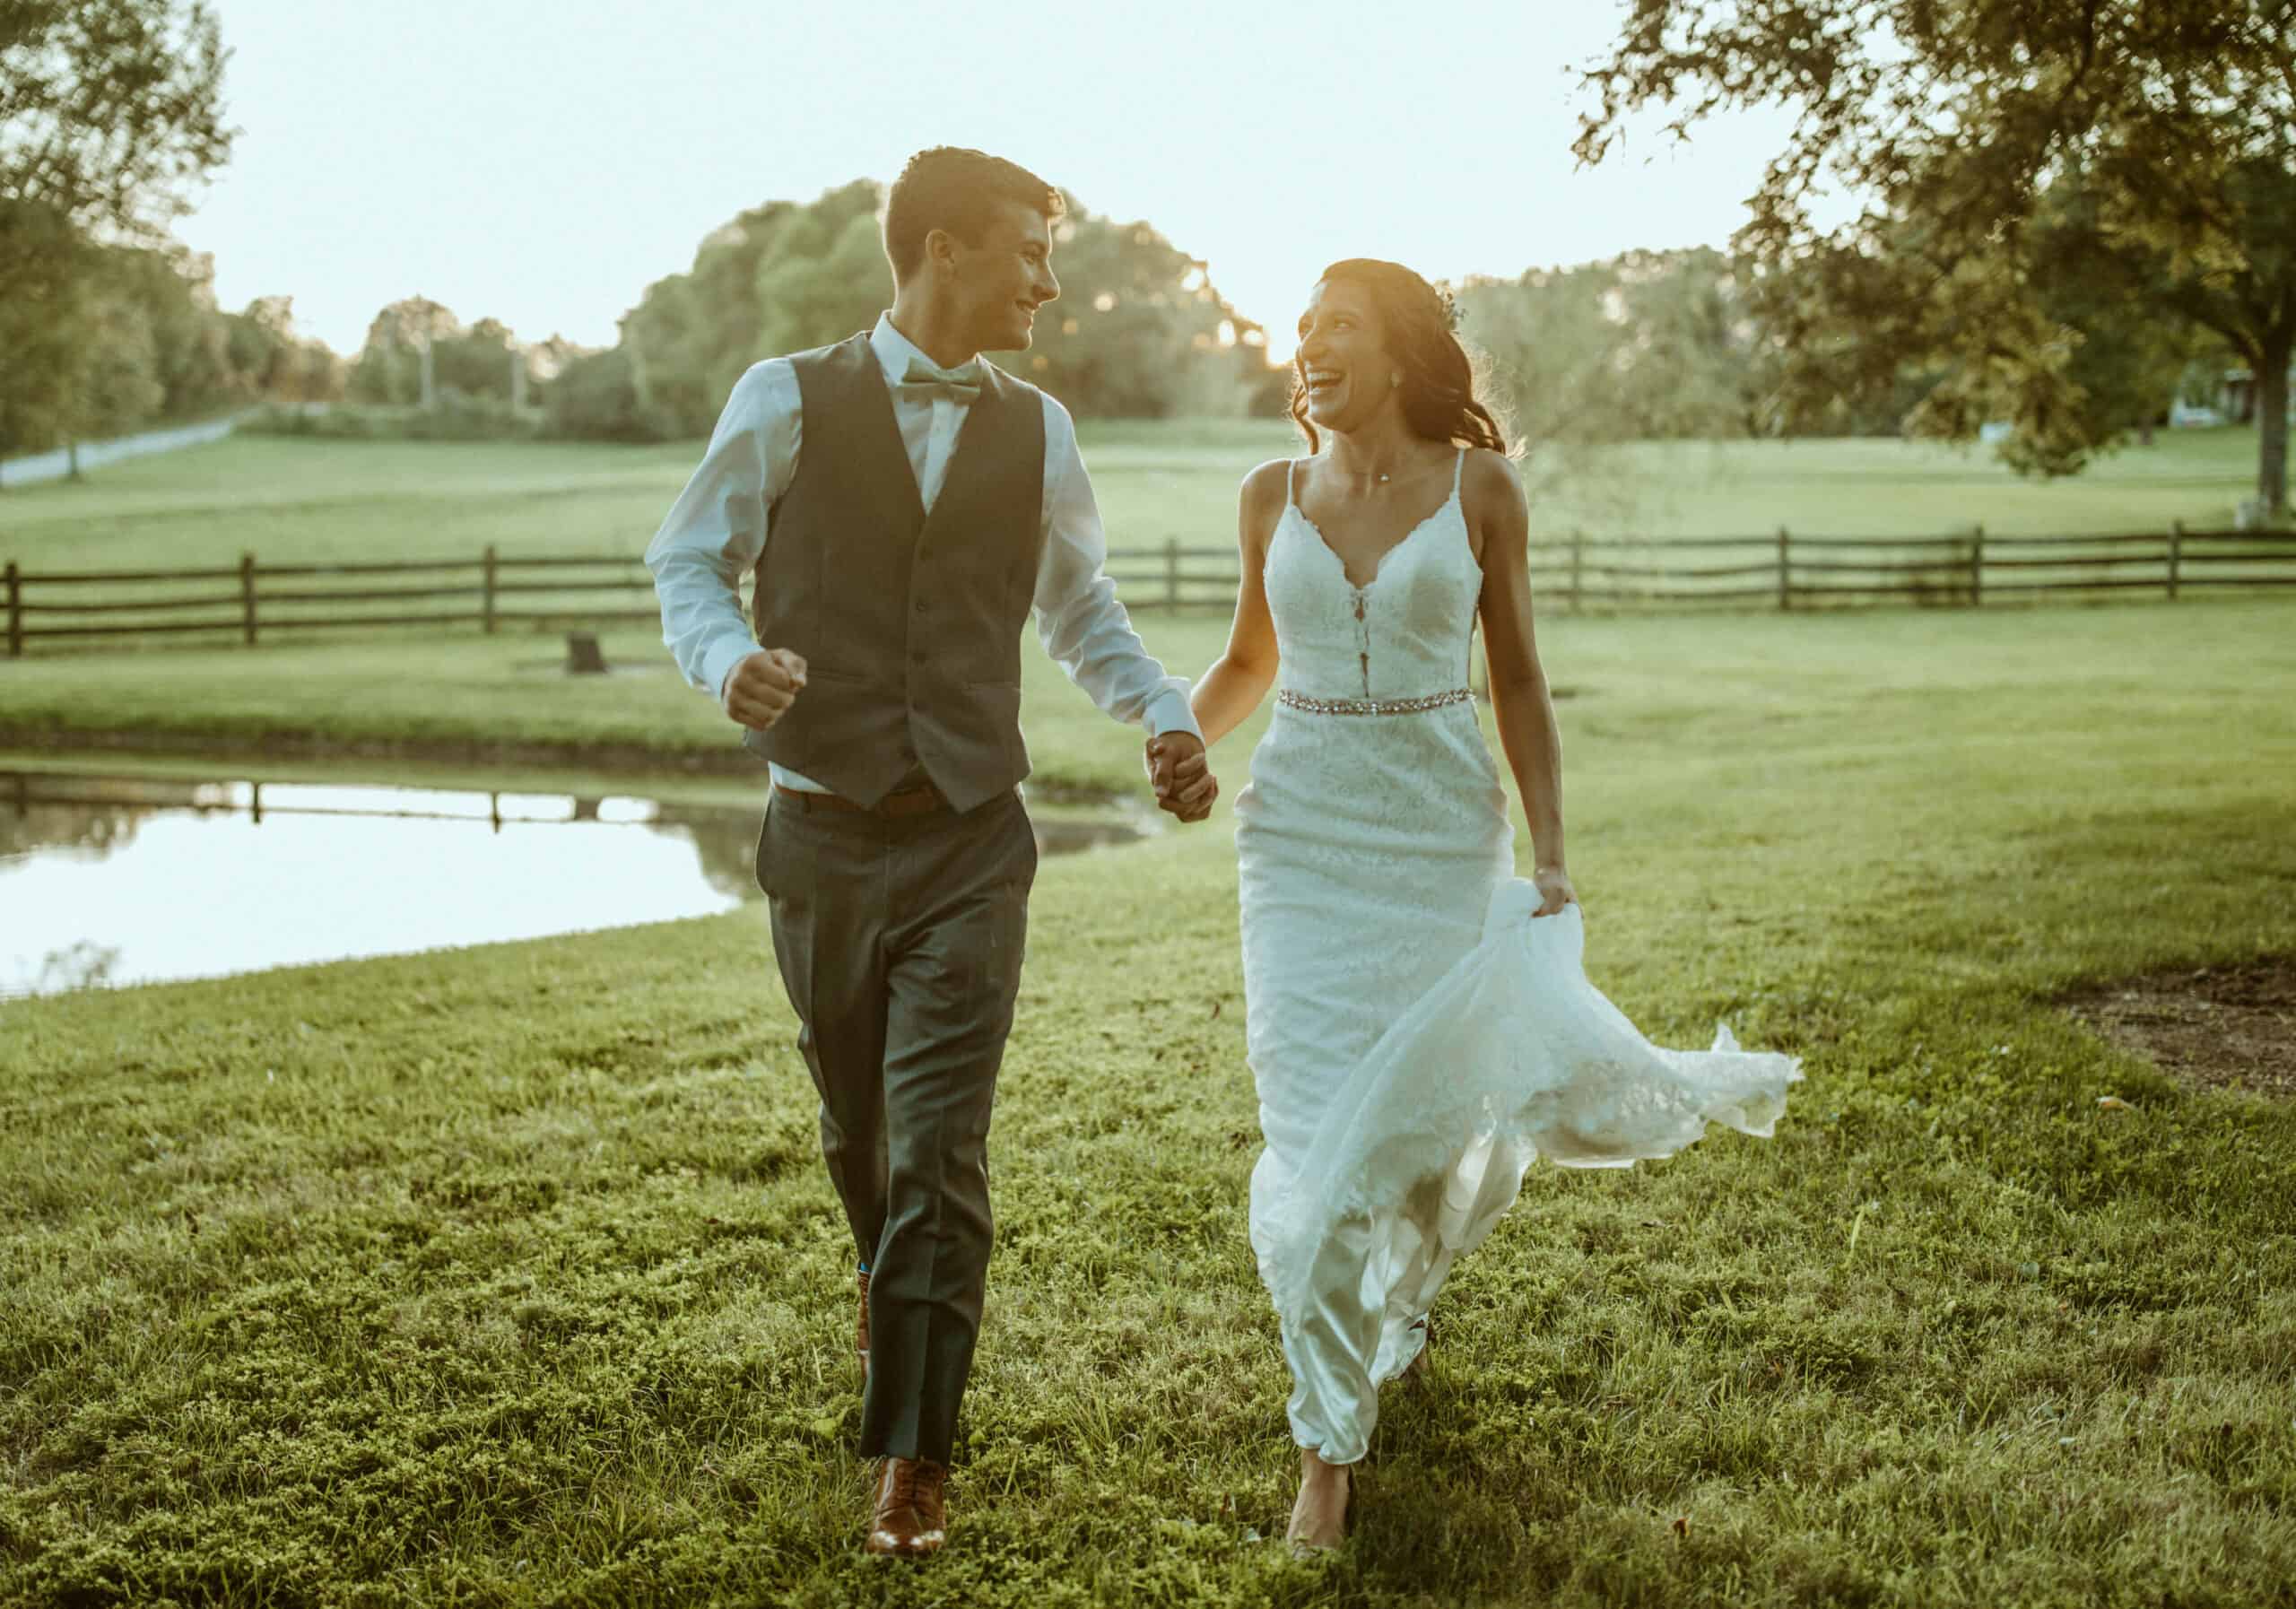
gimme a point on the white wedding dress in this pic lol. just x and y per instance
(1417, 1037)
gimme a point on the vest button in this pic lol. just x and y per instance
(920, 606)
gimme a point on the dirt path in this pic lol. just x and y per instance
(2223, 1027)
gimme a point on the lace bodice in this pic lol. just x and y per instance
(1404, 636)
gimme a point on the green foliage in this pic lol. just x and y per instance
(106, 340)
(2147, 151)
(595, 398)
(110, 108)
(455, 417)
(509, 1276)
(262, 350)
(1139, 332)
(388, 369)
(107, 111)
(819, 277)
(47, 308)
(1646, 347)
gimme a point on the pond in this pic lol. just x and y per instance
(109, 879)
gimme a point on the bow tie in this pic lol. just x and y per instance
(927, 379)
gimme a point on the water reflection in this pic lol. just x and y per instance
(107, 879)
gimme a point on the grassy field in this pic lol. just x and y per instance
(508, 1276)
(461, 694)
(288, 500)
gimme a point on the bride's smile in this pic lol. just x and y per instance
(1343, 368)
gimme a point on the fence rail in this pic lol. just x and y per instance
(1577, 572)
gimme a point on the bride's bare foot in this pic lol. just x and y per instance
(1319, 1518)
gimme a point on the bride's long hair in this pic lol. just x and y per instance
(1439, 377)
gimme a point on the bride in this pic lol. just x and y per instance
(1418, 1022)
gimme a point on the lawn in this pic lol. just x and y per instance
(457, 694)
(292, 500)
(508, 1276)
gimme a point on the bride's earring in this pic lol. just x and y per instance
(1394, 380)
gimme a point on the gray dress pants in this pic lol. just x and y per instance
(899, 942)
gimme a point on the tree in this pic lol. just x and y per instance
(389, 366)
(477, 362)
(1991, 142)
(1649, 346)
(594, 397)
(46, 318)
(108, 109)
(1139, 329)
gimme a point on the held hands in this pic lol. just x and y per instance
(1555, 891)
(1184, 784)
(760, 690)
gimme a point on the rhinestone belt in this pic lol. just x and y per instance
(1433, 700)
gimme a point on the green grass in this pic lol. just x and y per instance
(509, 1276)
(472, 696)
(289, 501)
(456, 693)
(1885, 488)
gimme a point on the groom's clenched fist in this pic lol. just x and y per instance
(760, 690)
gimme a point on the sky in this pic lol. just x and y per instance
(542, 163)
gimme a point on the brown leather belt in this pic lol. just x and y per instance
(905, 802)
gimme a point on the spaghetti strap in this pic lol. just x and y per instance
(1458, 468)
(1292, 483)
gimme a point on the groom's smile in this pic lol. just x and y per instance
(1013, 258)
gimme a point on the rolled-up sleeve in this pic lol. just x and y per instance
(716, 529)
(1084, 626)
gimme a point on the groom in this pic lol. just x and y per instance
(905, 505)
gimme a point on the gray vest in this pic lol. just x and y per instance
(910, 622)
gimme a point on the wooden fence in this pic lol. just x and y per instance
(1786, 571)
(251, 600)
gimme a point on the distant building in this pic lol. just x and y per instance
(2236, 400)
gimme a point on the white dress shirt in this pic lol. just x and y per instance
(717, 528)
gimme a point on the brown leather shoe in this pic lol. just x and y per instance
(912, 1517)
(861, 1332)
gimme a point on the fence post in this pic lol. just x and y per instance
(15, 611)
(1171, 572)
(2176, 554)
(247, 597)
(1578, 564)
(487, 607)
(1977, 565)
(1785, 575)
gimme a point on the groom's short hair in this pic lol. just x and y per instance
(955, 189)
